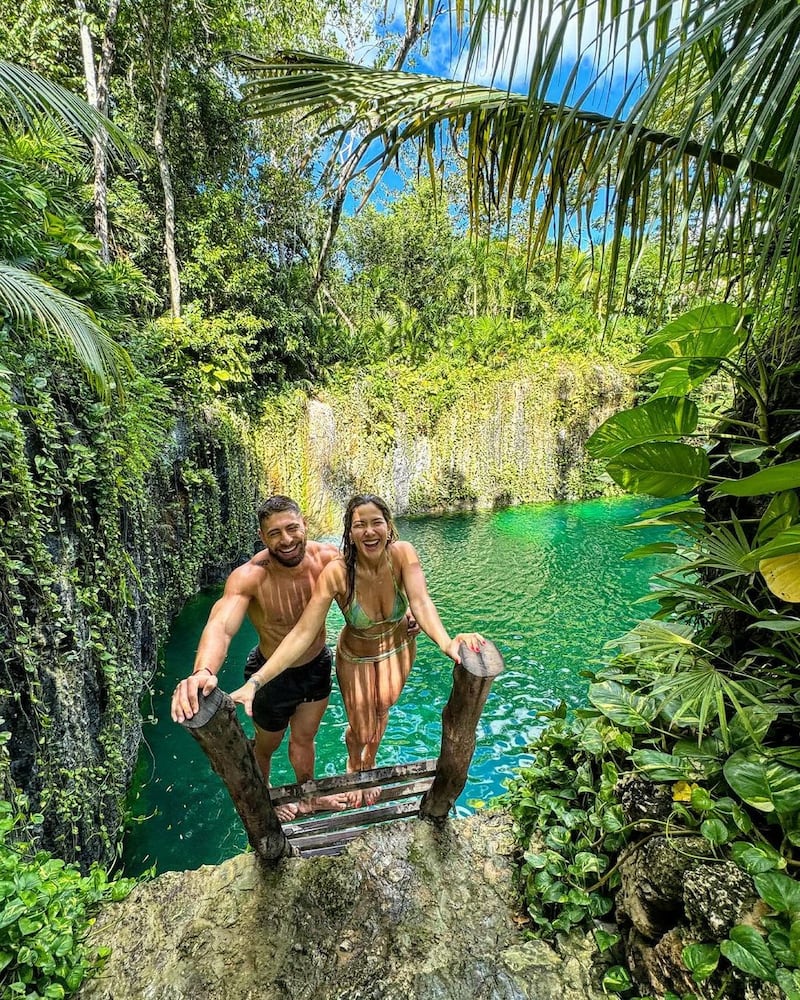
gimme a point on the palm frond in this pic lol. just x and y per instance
(560, 160)
(30, 301)
(27, 98)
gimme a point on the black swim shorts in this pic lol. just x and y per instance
(275, 703)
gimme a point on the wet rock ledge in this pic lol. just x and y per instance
(408, 911)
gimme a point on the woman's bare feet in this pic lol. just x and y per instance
(324, 803)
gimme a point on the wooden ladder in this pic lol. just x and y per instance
(328, 832)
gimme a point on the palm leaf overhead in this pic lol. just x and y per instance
(724, 180)
(27, 98)
(30, 301)
(30, 103)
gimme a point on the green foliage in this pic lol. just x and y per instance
(569, 823)
(415, 286)
(46, 910)
(111, 510)
(706, 692)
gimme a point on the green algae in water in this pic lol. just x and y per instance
(548, 583)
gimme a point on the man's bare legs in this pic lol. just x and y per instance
(266, 743)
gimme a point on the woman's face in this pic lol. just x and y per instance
(369, 530)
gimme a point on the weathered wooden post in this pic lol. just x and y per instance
(217, 729)
(472, 681)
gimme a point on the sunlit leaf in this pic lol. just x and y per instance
(657, 420)
(772, 480)
(622, 706)
(662, 469)
(782, 575)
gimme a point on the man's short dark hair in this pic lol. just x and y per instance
(277, 505)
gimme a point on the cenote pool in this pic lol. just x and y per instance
(548, 583)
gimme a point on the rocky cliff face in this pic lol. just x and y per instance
(507, 438)
(409, 910)
(98, 550)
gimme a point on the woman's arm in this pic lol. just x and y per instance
(424, 609)
(297, 641)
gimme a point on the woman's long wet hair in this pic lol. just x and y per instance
(348, 548)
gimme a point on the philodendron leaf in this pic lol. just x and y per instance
(710, 347)
(623, 706)
(702, 319)
(776, 478)
(781, 892)
(748, 951)
(658, 420)
(763, 781)
(662, 469)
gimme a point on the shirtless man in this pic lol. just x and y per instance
(272, 589)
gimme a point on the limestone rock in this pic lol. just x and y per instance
(643, 800)
(410, 910)
(651, 895)
(716, 898)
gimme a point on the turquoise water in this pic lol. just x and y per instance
(547, 583)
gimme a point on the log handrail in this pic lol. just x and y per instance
(472, 681)
(217, 729)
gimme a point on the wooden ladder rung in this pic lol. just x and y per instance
(376, 777)
(340, 819)
(304, 840)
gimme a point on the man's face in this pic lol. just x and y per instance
(284, 534)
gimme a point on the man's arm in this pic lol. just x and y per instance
(223, 623)
(293, 645)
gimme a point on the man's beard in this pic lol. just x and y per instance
(294, 560)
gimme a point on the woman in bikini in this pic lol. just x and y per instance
(374, 582)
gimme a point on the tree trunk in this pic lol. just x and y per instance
(413, 32)
(472, 681)
(160, 84)
(97, 86)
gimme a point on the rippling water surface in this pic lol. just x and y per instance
(547, 583)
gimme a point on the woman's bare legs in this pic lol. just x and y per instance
(368, 691)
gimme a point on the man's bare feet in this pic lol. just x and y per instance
(286, 813)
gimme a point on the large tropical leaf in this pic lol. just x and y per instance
(661, 469)
(657, 420)
(707, 345)
(776, 478)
